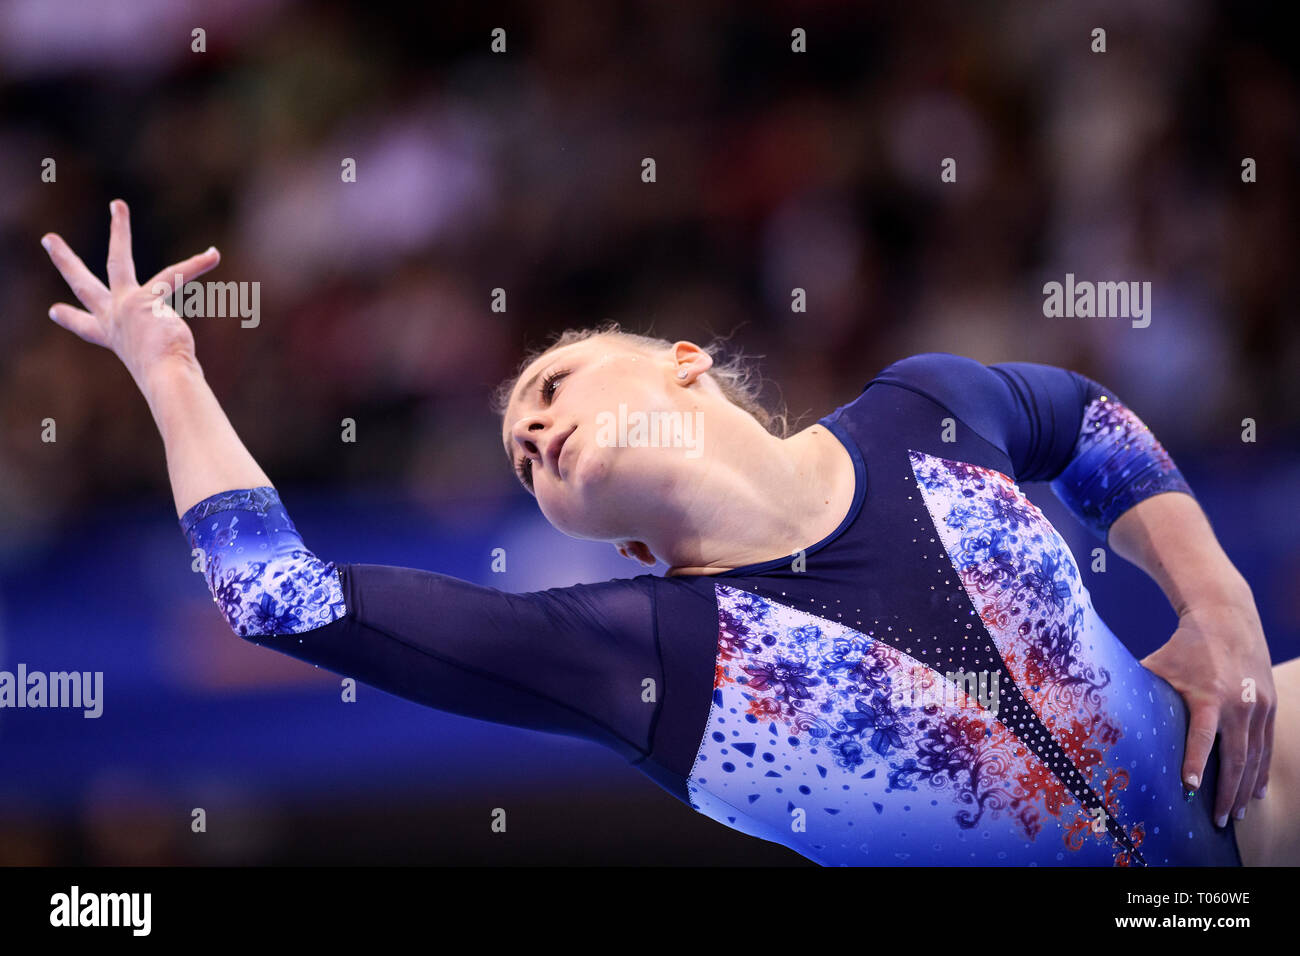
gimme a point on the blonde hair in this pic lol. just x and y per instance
(735, 374)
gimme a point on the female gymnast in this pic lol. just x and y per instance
(869, 645)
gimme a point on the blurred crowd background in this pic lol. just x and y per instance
(522, 171)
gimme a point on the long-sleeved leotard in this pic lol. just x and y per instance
(929, 684)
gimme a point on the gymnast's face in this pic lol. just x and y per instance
(558, 429)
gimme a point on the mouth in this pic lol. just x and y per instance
(555, 447)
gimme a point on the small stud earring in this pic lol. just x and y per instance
(681, 373)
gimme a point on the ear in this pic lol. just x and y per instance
(636, 551)
(690, 362)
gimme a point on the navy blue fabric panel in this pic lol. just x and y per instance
(1052, 402)
(1033, 412)
(688, 636)
(567, 660)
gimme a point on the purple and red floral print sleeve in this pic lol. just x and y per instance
(1117, 463)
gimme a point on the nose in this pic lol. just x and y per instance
(527, 435)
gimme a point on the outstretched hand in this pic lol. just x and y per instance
(1219, 661)
(126, 317)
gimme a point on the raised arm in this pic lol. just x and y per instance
(204, 455)
(571, 660)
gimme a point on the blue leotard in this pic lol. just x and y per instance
(929, 684)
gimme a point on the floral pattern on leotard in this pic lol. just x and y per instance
(813, 715)
(260, 574)
(1116, 463)
(1023, 581)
